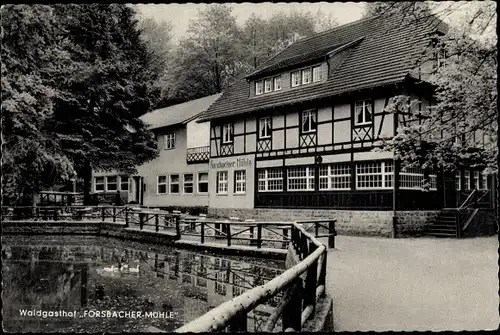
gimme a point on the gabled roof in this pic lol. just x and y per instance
(377, 52)
(180, 113)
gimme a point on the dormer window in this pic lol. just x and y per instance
(363, 113)
(277, 83)
(258, 88)
(227, 133)
(306, 76)
(295, 79)
(317, 74)
(268, 85)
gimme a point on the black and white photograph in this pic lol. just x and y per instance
(249, 167)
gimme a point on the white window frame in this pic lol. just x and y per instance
(316, 74)
(484, 177)
(264, 122)
(364, 105)
(184, 183)
(466, 180)
(158, 184)
(386, 176)
(172, 183)
(441, 58)
(309, 114)
(268, 85)
(124, 181)
(103, 183)
(222, 183)
(259, 87)
(458, 180)
(107, 183)
(332, 174)
(265, 179)
(295, 79)
(240, 184)
(169, 141)
(309, 178)
(200, 181)
(277, 83)
(304, 77)
(227, 133)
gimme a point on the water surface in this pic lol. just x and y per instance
(86, 275)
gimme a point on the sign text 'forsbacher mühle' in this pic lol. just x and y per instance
(237, 163)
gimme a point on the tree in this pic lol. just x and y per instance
(33, 58)
(107, 87)
(324, 21)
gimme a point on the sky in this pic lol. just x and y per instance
(180, 14)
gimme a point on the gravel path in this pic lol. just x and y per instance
(414, 284)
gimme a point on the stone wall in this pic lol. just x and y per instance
(412, 223)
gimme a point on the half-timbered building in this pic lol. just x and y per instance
(300, 132)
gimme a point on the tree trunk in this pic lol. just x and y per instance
(87, 183)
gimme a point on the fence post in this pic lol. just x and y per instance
(316, 228)
(103, 213)
(285, 234)
(311, 279)
(141, 220)
(331, 234)
(238, 323)
(459, 224)
(202, 231)
(55, 214)
(126, 217)
(292, 312)
(114, 214)
(178, 227)
(228, 232)
(259, 236)
(322, 274)
(157, 221)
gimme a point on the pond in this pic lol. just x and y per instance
(96, 284)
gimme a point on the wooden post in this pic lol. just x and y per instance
(238, 323)
(311, 280)
(458, 224)
(202, 231)
(292, 313)
(322, 274)
(331, 234)
(55, 214)
(259, 236)
(178, 226)
(114, 214)
(316, 227)
(228, 232)
(157, 222)
(285, 242)
(103, 213)
(141, 220)
(126, 217)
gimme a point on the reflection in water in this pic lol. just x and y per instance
(108, 275)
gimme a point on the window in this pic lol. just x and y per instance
(161, 187)
(124, 183)
(374, 175)
(458, 180)
(306, 76)
(111, 183)
(308, 121)
(188, 183)
(335, 177)
(295, 79)
(265, 127)
(270, 180)
(174, 183)
(170, 141)
(441, 58)
(484, 184)
(317, 76)
(301, 179)
(268, 85)
(277, 83)
(203, 182)
(222, 182)
(240, 182)
(363, 112)
(258, 88)
(227, 133)
(466, 180)
(412, 178)
(99, 184)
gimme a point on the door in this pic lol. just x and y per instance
(449, 190)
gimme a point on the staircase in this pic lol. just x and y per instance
(445, 224)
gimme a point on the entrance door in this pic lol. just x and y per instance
(137, 190)
(449, 190)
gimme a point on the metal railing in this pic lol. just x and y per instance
(302, 285)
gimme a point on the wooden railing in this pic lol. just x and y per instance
(466, 211)
(60, 198)
(198, 154)
(61, 213)
(303, 284)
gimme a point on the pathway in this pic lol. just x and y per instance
(419, 284)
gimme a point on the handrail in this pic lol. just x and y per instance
(467, 199)
(234, 310)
